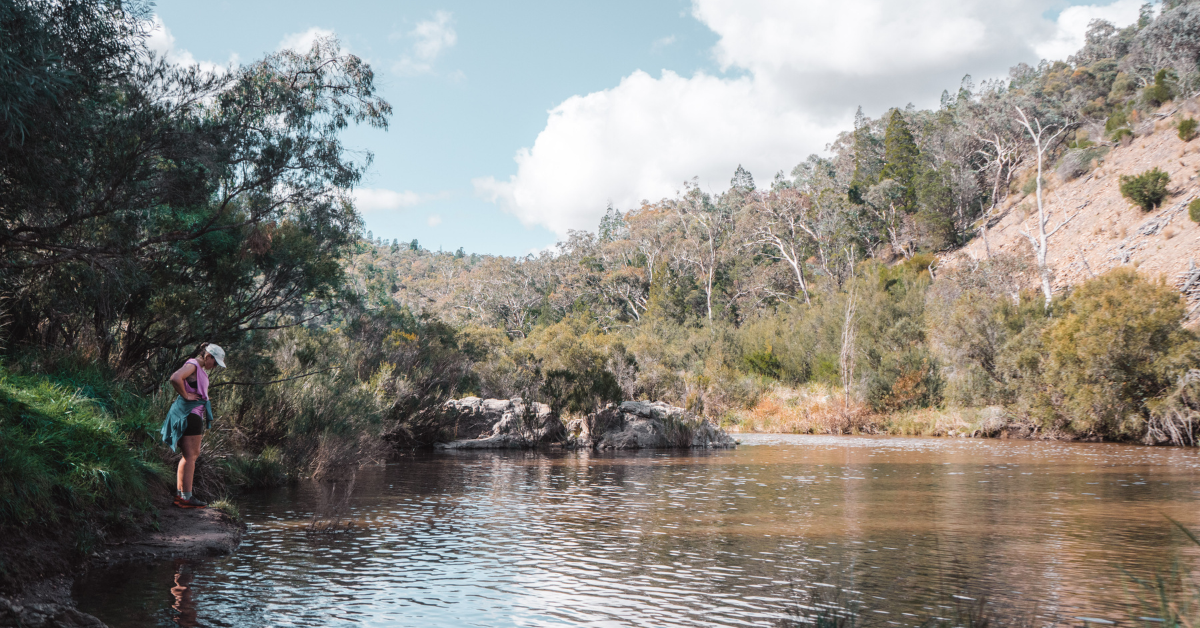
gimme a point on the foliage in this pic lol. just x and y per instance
(1117, 343)
(1094, 365)
(1161, 90)
(1187, 129)
(154, 206)
(1146, 190)
(1194, 210)
(76, 445)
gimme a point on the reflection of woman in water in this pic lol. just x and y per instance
(185, 608)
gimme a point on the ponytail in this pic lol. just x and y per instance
(203, 347)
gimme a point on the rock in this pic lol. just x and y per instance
(501, 424)
(647, 425)
(474, 423)
(45, 615)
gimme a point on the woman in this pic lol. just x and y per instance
(185, 422)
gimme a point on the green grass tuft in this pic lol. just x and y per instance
(67, 457)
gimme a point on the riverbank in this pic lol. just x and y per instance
(169, 533)
(820, 409)
(84, 484)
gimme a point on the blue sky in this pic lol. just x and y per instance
(515, 122)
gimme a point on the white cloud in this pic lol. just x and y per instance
(1073, 22)
(162, 43)
(303, 42)
(662, 42)
(797, 69)
(431, 38)
(641, 139)
(375, 199)
(433, 220)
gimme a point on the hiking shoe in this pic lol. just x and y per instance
(189, 503)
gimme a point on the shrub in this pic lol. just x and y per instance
(1194, 210)
(1187, 129)
(1160, 92)
(1146, 190)
(1122, 136)
(1116, 121)
(1117, 343)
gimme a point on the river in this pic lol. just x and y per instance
(895, 530)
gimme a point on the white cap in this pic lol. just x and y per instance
(217, 353)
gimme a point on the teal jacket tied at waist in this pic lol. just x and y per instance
(176, 421)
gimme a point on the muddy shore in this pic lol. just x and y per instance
(172, 533)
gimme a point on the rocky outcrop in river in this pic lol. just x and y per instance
(646, 425)
(474, 423)
(501, 424)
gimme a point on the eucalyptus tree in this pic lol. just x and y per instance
(166, 205)
(1043, 141)
(705, 229)
(783, 224)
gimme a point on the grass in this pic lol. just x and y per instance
(821, 409)
(73, 447)
(227, 506)
(808, 409)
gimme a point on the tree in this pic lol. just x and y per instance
(705, 228)
(1041, 144)
(781, 223)
(163, 205)
(742, 180)
(901, 159)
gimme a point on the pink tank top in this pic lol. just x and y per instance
(201, 386)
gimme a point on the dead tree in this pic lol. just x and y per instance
(1040, 241)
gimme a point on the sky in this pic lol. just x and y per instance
(517, 122)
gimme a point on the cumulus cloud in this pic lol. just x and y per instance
(1072, 24)
(376, 199)
(641, 139)
(430, 39)
(161, 42)
(303, 42)
(794, 72)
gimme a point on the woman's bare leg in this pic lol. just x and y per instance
(190, 445)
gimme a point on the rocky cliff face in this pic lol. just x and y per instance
(474, 423)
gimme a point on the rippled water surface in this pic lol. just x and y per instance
(783, 526)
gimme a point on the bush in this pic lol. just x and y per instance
(1187, 129)
(1160, 92)
(1116, 121)
(1121, 135)
(1117, 343)
(1194, 210)
(1146, 190)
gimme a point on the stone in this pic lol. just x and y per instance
(503, 423)
(647, 425)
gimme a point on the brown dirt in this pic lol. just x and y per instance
(1107, 230)
(169, 533)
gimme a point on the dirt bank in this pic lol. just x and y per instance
(169, 533)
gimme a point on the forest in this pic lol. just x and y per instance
(146, 207)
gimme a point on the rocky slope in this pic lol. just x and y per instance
(1106, 230)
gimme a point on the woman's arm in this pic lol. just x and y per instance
(184, 372)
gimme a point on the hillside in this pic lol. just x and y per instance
(1108, 231)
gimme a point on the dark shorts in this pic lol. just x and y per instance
(195, 425)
